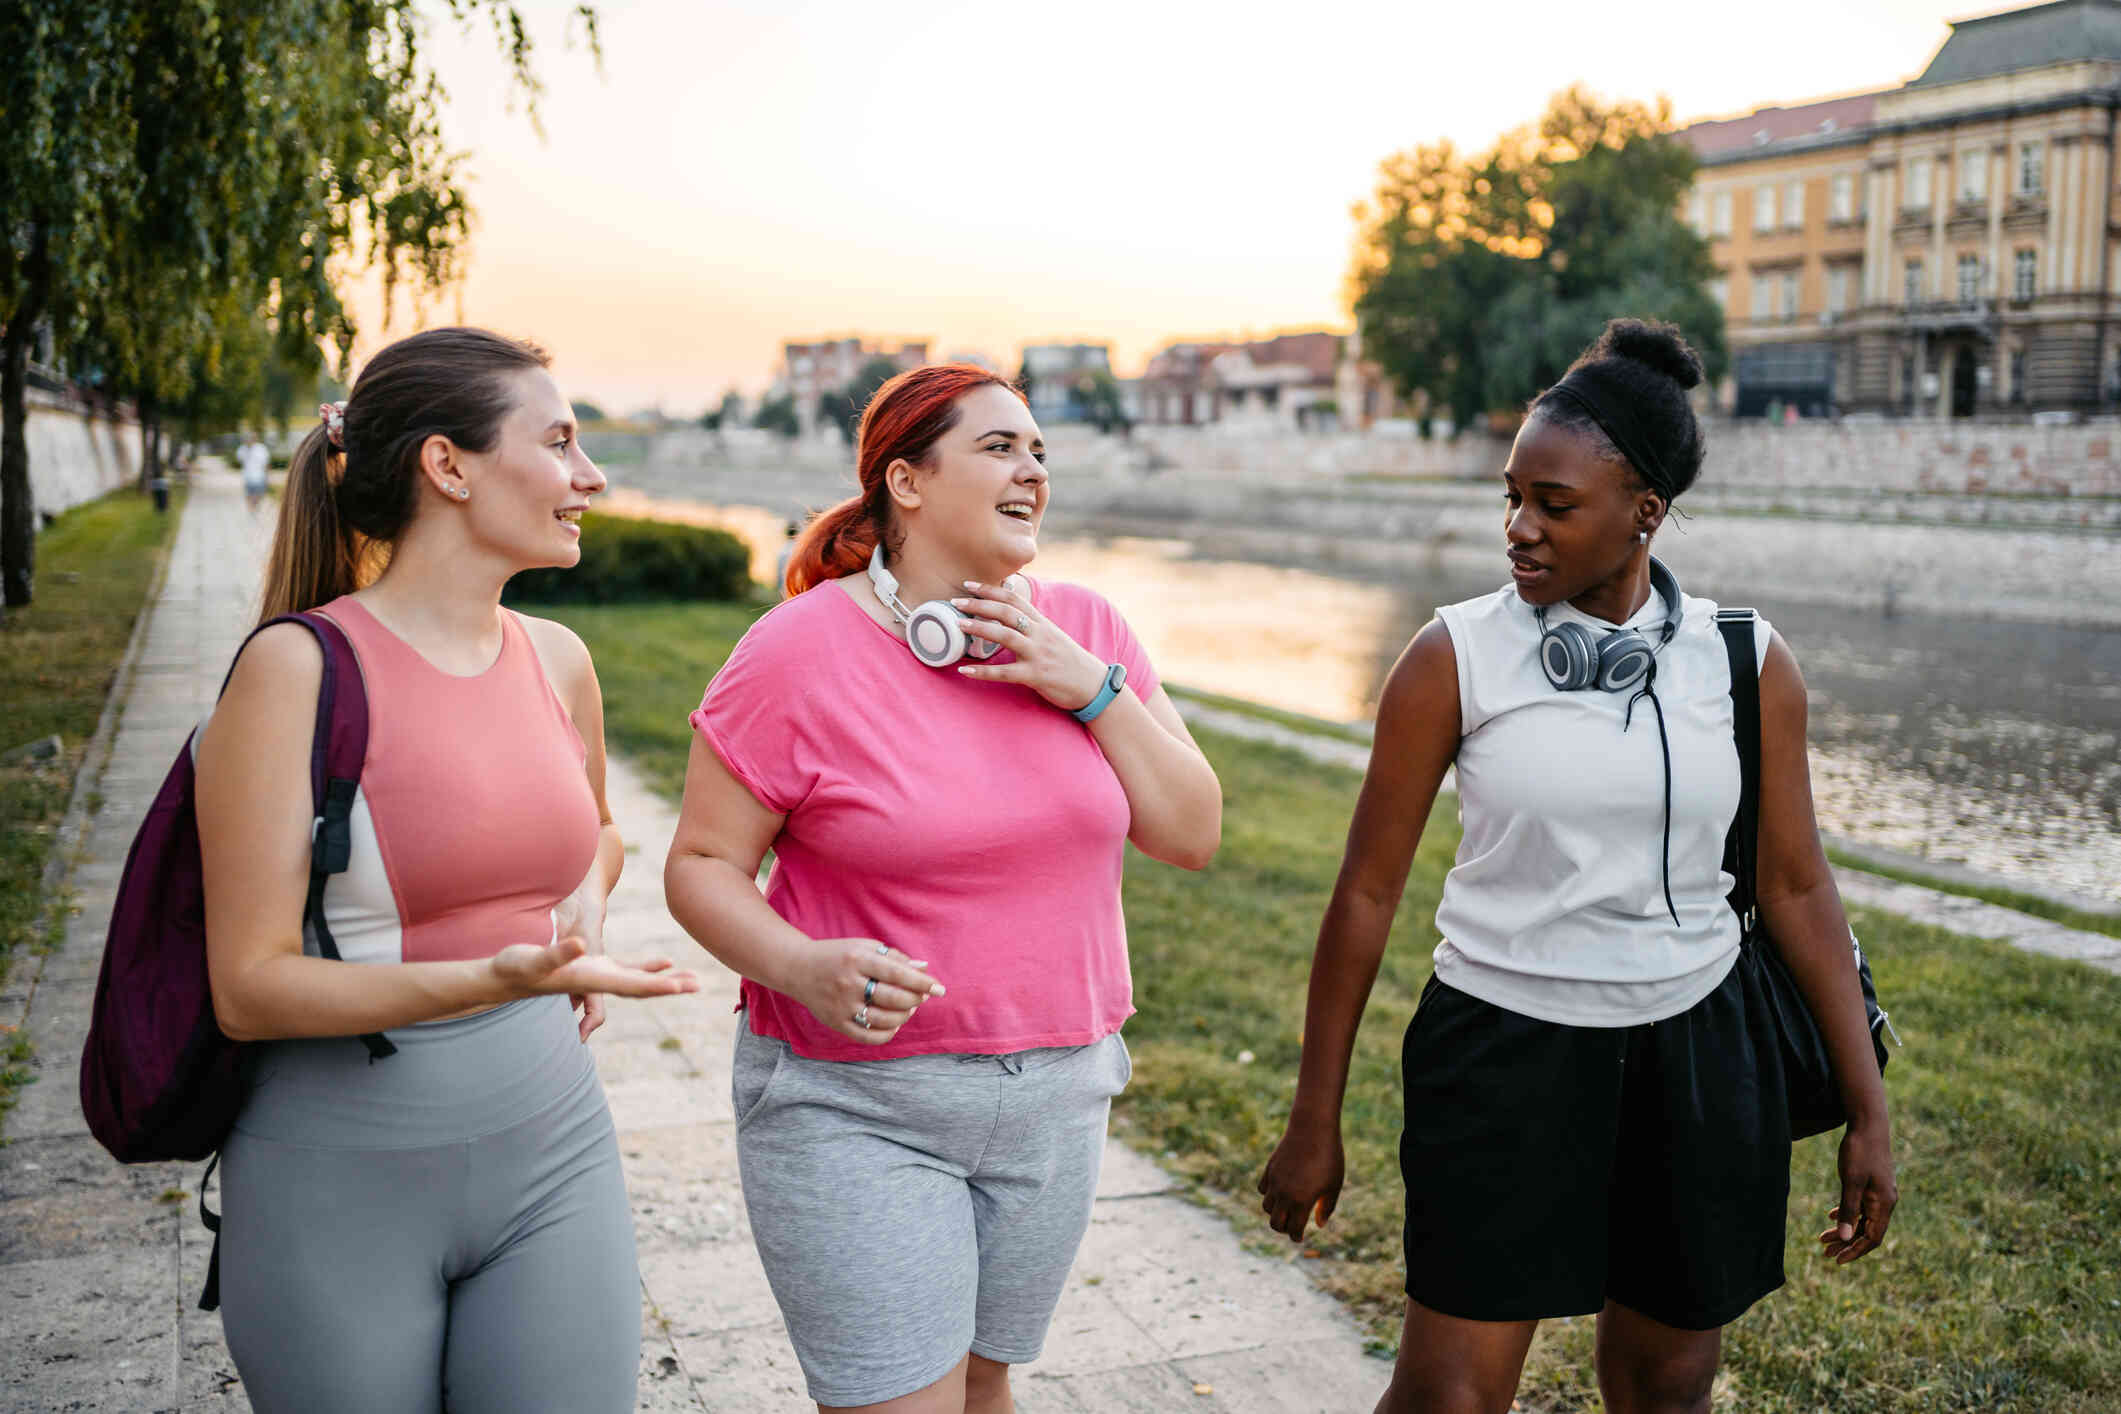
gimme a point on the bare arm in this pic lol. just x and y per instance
(1417, 738)
(708, 881)
(254, 811)
(1802, 910)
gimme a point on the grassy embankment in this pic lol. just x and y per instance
(1996, 1290)
(95, 566)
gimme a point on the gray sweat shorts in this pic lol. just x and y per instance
(910, 1210)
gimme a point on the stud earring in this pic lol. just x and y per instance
(460, 492)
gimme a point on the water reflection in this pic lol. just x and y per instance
(1988, 744)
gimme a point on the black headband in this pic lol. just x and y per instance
(1599, 391)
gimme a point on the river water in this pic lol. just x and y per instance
(1993, 745)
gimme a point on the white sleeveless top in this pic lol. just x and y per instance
(1556, 906)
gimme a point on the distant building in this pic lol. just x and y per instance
(1943, 248)
(827, 365)
(1176, 387)
(1286, 382)
(1053, 372)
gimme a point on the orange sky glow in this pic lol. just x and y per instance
(984, 176)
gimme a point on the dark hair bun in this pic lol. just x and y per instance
(1653, 342)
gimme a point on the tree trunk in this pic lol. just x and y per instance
(150, 441)
(18, 505)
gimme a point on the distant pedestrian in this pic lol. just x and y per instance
(254, 460)
(780, 565)
(1595, 1112)
(918, 1164)
(446, 1222)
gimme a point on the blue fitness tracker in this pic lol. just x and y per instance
(1114, 676)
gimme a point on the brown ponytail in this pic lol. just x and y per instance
(905, 419)
(345, 508)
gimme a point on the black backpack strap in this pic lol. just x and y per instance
(1741, 846)
(210, 1298)
(337, 745)
(337, 748)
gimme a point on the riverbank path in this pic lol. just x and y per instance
(101, 1265)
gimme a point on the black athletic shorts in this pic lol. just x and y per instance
(1552, 1168)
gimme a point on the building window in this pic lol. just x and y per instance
(1918, 184)
(2032, 163)
(1969, 278)
(1720, 293)
(1793, 205)
(1697, 213)
(2017, 375)
(1841, 197)
(1789, 294)
(1763, 207)
(2025, 274)
(1837, 289)
(1720, 214)
(1973, 176)
(1911, 283)
(1763, 305)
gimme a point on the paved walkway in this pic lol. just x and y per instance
(100, 1265)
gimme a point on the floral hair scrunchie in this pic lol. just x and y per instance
(334, 415)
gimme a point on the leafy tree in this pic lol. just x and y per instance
(1478, 280)
(176, 166)
(874, 373)
(778, 415)
(837, 409)
(1098, 391)
(586, 412)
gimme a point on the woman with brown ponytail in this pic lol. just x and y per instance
(447, 1224)
(947, 761)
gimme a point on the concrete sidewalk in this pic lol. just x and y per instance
(101, 1265)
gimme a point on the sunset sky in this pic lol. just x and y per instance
(986, 175)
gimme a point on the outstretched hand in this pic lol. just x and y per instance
(568, 967)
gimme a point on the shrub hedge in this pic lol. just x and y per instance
(627, 561)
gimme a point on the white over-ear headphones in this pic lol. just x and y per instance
(935, 631)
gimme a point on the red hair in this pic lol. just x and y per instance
(905, 419)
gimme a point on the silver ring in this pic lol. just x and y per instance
(882, 949)
(861, 1017)
(869, 992)
(1023, 625)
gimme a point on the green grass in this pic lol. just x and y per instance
(2035, 904)
(1996, 1290)
(94, 567)
(1317, 726)
(653, 662)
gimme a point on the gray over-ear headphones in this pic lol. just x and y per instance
(1573, 658)
(935, 631)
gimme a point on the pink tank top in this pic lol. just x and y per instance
(474, 817)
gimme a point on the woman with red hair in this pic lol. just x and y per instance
(946, 760)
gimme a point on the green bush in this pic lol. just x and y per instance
(628, 561)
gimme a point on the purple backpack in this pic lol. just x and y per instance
(159, 1080)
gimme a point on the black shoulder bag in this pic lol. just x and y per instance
(1808, 1074)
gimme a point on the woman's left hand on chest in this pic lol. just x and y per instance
(1048, 661)
(579, 916)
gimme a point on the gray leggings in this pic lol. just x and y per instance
(445, 1227)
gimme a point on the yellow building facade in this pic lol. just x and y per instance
(1946, 248)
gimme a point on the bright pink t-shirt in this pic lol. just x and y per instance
(970, 824)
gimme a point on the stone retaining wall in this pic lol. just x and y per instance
(76, 455)
(1908, 457)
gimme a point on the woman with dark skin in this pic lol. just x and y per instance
(1579, 524)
